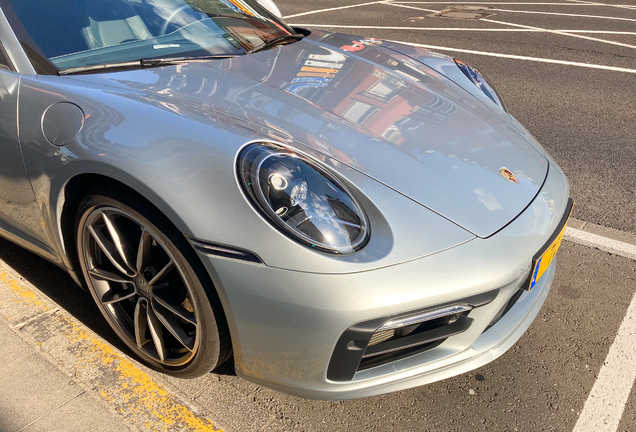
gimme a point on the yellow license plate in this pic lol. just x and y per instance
(542, 263)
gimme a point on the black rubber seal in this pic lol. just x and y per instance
(546, 246)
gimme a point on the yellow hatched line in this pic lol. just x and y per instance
(133, 393)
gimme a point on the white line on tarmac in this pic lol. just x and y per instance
(626, 250)
(587, 3)
(606, 402)
(413, 7)
(605, 41)
(564, 14)
(518, 57)
(514, 3)
(537, 30)
(529, 27)
(604, 407)
(333, 9)
(401, 4)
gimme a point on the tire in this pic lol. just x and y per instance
(150, 285)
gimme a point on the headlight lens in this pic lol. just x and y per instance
(302, 199)
(481, 82)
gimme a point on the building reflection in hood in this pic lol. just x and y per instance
(336, 101)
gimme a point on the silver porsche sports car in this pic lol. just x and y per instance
(342, 216)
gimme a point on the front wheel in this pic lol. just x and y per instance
(135, 266)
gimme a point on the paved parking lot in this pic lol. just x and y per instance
(542, 383)
(567, 71)
(565, 88)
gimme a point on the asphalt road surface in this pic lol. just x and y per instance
(578, 97)
(585, 117)
(542, 383)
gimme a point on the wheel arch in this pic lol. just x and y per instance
(79, 186)
(65, 202)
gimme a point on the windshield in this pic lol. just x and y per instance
(67, 34)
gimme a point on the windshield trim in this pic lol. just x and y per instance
(38, 62)
(13, 49)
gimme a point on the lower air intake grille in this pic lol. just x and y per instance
(380, 337)
(383, 340)
(414, 339)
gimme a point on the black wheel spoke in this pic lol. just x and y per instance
(156, 332)
(141, 323)
(109, 249)
(173, 326)
(122, 247)
(108, 276)
(162, 273)
(176, 309)
(111, 297)
(143, 251)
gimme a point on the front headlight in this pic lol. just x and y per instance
(481, 82)
(302, 199)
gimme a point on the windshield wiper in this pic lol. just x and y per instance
(269, 43)
(142, 63)
(151, 62)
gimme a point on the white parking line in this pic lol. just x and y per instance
(528, 27)
(626, 250)
(333, 9)
(605, 41)
(400, 4)
(529, 30)
(515, 3)
(606, 402)
(573, 3)
(525, 58)
(587, 3)
(564, 14)
(413, 7)
(604, 407)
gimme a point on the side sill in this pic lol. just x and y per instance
(29, 243)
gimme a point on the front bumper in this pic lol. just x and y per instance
(285, 324)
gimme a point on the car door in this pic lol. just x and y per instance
(20, 217)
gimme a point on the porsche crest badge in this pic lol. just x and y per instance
(508, 175)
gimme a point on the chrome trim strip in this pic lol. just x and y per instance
(426, 316)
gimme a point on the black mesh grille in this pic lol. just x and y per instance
(366, 345)
(414, 339)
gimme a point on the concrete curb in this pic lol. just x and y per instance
(134, 392)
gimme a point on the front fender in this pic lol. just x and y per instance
(182, 156)
(137, 144)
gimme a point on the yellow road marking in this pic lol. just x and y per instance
(131, 391)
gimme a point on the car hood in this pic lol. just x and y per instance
(367, 106)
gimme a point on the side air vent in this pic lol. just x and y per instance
(225, 251)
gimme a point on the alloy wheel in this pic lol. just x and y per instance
(139, 285)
